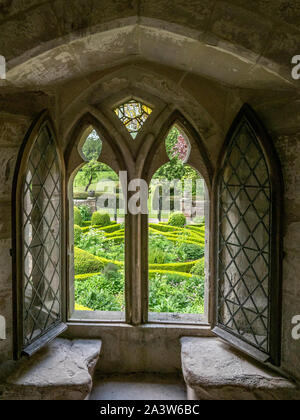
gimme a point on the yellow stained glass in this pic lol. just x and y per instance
(133, 115)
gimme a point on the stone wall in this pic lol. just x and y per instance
(12, 132)
(200, 57)
(288, 147)
(90, 202)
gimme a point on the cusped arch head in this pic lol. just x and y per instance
(90, 145)
(111, 154)
(198, 157)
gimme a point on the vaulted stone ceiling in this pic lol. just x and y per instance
(238, 43)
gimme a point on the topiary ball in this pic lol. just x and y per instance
(77, 234)
(177, 219)
(100, 219)
(77, 217)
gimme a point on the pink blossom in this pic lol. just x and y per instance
(180, 149)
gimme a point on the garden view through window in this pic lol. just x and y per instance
(176, 243)
(176, 236)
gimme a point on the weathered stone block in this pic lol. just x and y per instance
(7, 312)
(62, 370)
(241, 27)
(214, 370)
(5, 265)
(12, 130)
(5, 219)
(8, 157)
(179, 12)
(290, 346)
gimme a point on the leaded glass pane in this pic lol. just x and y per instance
(41, 234)
(133, 115)
(244, 241)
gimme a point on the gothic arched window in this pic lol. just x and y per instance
(38, 235)
(248, 246)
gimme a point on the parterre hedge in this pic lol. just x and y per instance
(84, 262)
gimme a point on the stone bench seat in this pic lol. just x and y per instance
(62, 370)
(213, 370)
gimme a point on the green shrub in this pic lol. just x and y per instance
(157, 256)
(177, 219)
(77, 234)
(171, 292)
(77, 217)
(86, 276)
(84, 262)
(100, 219)
(85, 212)
(165, 228)
(199, 230)
(190, 252)
(115, 239)
(198, 268)
(110, 228)
(171, 273)
(103, 292)
(184, 267)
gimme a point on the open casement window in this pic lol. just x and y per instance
(38, 240)
(248, 189)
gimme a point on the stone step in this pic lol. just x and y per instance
(62, 370)
(213, 370)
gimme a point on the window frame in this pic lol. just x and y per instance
(247, 114)
(136, 226)
(74, 161)
(177, 118)
(43, 120)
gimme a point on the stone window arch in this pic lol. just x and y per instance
(197, 158)
(190, 198)
(110, 157)
(136, 278)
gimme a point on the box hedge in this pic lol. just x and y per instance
(198, 268)
(77, 234)
(181, 267)
(77, 217)
(174, 273)
(113, 227)
(100, 219)
(85, 262)
(177, 219)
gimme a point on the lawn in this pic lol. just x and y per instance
(176, 267)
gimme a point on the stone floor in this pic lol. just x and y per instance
(138, 387)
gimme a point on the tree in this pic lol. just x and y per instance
(92, 146)
(90, 172)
